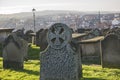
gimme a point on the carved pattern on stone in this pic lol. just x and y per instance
(59, 61)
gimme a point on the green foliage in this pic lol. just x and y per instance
(96, 72)
(30, 71)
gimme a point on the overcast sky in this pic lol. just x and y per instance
(15, 6)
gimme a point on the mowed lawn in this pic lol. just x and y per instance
(31, 71)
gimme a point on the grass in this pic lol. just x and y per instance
(96, 72)
(33, 52)
(31, 70)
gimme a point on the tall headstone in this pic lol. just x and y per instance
(14, 51)
(59, 61)
(111, 50)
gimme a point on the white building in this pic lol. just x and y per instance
(115, 21)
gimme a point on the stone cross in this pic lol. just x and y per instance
(59, 61)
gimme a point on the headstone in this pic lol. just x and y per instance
(59, 61)
(81, 30)
(38, 36)
(41, 39)
(88, 36)
(96, 32)
(104, 31)
(91, 34)
(91, 51)
(14, 51)
(28, 36)
(111, 50)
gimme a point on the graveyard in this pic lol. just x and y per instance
(31, 70)
(61, 55)
(59, 40)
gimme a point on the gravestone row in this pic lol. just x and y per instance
(61, 60)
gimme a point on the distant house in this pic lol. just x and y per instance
(116, 21)
(4, 32)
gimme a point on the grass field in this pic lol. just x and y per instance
(31, 70)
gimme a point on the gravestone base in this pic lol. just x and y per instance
(58, 79)
(12, 64)
(91, 59)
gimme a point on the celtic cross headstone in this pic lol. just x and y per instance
(59, 61)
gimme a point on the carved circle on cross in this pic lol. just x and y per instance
(59, 35)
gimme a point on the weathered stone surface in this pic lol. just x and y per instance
(14, 52)
(91, 34)
(91, 50)
(41, 39)
(104, 31)
(60, 61)
(96, 32)
(28, 36)
(111, 51)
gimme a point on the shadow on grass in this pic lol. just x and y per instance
(31, 72)
(92, 79)
(33, 53)
(90, 60)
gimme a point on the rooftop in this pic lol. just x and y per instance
(6, 29)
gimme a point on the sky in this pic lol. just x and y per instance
(16, 6)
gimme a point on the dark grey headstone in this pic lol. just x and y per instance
(59, 61)
(41, 39)
(96, 32)
(14, 52)
(28, 36)
(111, 51)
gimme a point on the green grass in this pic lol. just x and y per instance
(31, 70)
(96, 72)
(33, 52)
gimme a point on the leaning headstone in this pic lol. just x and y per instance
(13, 52)
(59, 61)
(111, 50)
